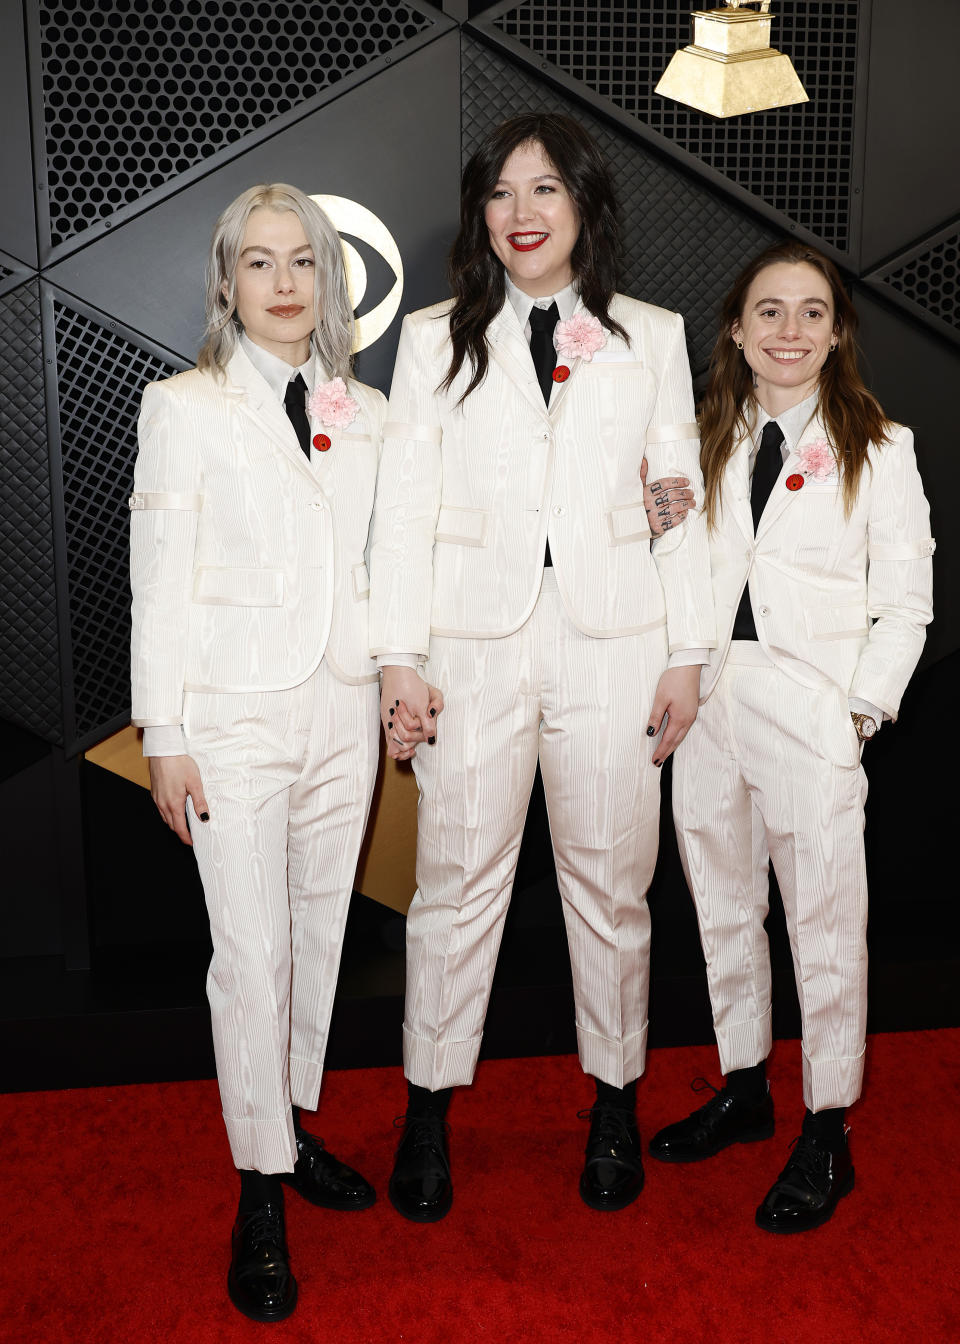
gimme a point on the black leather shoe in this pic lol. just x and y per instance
(809, 1188)
(420, 1186)
(725, 1119)
(324, 1180)
(260, 1283)
(613, 1171)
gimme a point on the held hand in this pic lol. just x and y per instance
(666, 501)
(409, 709)
(677, 699)
(172, 780)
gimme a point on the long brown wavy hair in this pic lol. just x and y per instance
(852, 417)
(477, 275)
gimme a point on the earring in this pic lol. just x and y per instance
(833, 345)
(739, 345)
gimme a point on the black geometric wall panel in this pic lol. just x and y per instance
(799, 160)
(135, 92)
(927, 279)
(101, 380)
(682, 242)
(29, 646)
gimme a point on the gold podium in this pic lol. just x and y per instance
(731, 69)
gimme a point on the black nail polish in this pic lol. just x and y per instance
(432, 713)
(651, 731)
(658, 764)
(431, 740)
(396, 704)
(204, 816)
(390, 723)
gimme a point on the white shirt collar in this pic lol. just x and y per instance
(792, 423)
(566, 302)
(276, 371)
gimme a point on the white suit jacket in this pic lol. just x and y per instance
(247, 561)
(835, 600)
(469, 494)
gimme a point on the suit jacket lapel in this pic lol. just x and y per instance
(510, 350)
(736, 498)
(780, 497)
(256, 400)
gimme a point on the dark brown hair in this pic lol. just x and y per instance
(852, 417)
(477, 275)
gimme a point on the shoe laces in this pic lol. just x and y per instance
(265, 1226)
(422, 1131)
(609, 1122)
(807, 1159)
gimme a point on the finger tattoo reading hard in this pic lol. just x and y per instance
(657, 485)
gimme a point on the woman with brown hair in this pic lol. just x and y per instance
(512, 568)
(821, 556)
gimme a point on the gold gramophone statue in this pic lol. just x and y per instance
(731, 68)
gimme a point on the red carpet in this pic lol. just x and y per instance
(118, 1204)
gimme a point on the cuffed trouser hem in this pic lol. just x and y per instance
(745, 1043)
(614, 1062)
(832, 1082)
(267, 1146)
(305, 1078)
(438, 1064)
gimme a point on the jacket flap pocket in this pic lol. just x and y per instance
(361, 582)
(848, 621)
(628, 522)
(463, 527)
(239, 587)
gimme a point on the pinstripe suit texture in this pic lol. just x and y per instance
(771, 768)
(250, 628)
(563, 665)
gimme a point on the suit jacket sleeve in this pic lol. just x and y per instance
(408, 497)
(682, 555)
(164, 512)
(899, 576)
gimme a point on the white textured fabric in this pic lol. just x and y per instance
(461, 523)
(773, 767)
(288, 777)
(836, 601)
(582, 703)
(253, 590)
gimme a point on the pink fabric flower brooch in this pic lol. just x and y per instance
(817, 460)
(580, 337)
(332, 404)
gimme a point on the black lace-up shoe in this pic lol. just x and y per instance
(420, 1186)
(809, 1188)
(322, 1179)
(723, 1120)
(613, 1171)
(260, 1283)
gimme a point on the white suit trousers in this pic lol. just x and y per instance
(288, 777)
(582, 703)
(772, 768)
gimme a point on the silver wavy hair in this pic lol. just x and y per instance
(333, 334)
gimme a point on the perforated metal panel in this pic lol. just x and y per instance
(798, 160)
(682, 243)
(29, 646)
(101, 379)
(137, 91)
(930, 278)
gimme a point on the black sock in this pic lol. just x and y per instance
(257, 1189)
(825, 1125)
(422, 1102)
(623, 1097)
(748, 1084)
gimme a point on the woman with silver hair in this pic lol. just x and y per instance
(253, 684)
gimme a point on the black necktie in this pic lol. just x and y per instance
(295, 405)
(542, 324)
(766, 471)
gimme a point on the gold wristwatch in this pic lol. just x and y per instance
(865, 725)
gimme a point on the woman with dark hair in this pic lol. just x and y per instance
(512, 568)
(253, 683)
(821, 555)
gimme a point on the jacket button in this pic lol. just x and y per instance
(559, 510)
(764, 611)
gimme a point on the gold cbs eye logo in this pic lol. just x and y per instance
(350, 217)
